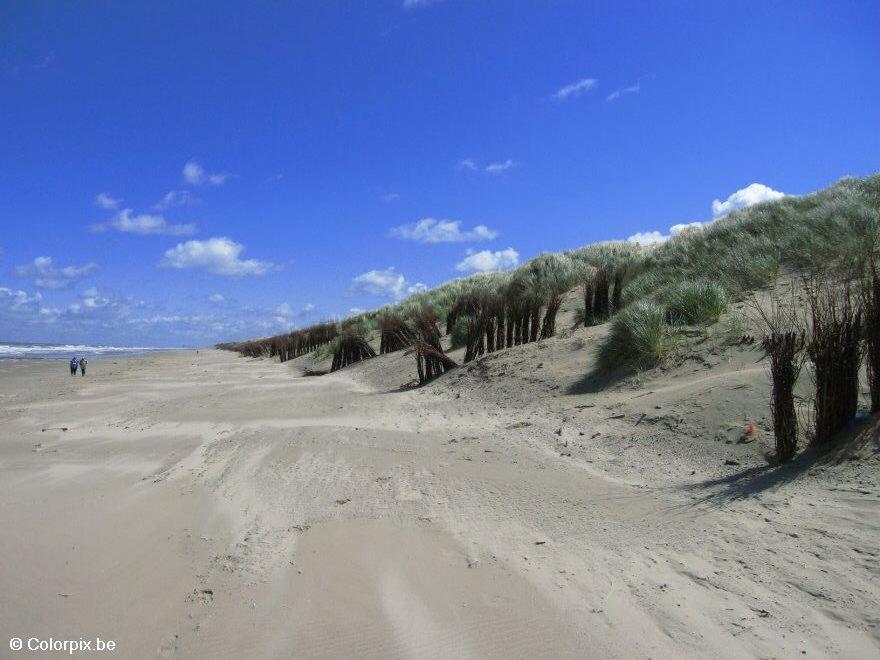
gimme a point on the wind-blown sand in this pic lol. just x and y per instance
(205, 505)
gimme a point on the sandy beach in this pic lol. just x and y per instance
(192, 504)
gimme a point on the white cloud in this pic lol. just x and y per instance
(95, 306)
(414, 4)
(195, 175)
(18, 307)
(470, 165)
(216, 298)
(169, 319)
(105, 201)
(431, 230)
(16, 299)
(653, 237)
(486, 260)
(46, 276)
(648, 237)
(391, 197)
(144, 224)
(284, 313)
(354, 311)
(387, 283)
(49, 314)
(218, 256)
(575, 89)
(175, 198)
(755, 193)
(617, 93)
(498, 168)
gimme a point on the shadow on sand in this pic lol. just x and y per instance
(861, 441)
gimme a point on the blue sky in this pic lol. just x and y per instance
(182, 173)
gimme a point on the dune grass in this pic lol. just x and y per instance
(639, 338)
(458, 335)
(352, 345)
(693, 303)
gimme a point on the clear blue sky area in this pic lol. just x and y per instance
(179, 173)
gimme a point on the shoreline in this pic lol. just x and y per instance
(97, 355)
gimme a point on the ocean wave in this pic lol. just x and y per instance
(57, 350)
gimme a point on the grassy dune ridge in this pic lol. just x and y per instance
(688, 279)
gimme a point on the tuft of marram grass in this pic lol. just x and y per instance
(639, 338)
(458, 336)
(694, 303)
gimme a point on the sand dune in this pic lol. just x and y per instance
(204, 505)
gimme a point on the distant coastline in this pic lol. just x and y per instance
(42, 351)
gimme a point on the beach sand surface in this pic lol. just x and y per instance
(201, 505)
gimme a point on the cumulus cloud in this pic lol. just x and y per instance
(470, 165)
(196, 175)
(16, 299)
(105, 201)
(19, 306)
(575, 89)
(755, 193)
(144, 224)
(617, 93)
(387, 283)
(216, 298)
(95, 306)
(46, 276)
(431, 230)
(218, 256)
(486, 260)
(652, 237)
(285, 313)
(175, 198)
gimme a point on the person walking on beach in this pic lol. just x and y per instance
(73, 364)
(82, 365)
